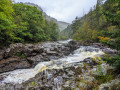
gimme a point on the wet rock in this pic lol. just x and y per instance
(19, 55)
(1, 54)
(105, 48)
(35, 59)
(73, 45)
(51, 53)
(110, 51)
(98, 45)
(68, 78)
(90, 62)
(13, 63)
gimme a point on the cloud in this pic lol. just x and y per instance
(64, 10)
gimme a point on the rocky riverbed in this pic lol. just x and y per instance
(57, 66)
(20, 56)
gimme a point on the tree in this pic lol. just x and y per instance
(7, 25)
(112, 11)
(30, 23)
(84, 33)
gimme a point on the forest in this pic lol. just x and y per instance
(20, 23)
(101, 24)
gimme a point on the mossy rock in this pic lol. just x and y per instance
(103, 79)
(78, 71)
(98, 60)
(115, 87)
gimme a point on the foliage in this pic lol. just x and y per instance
(101, 24)
(32, 26)
(98, 60)
(104, 40)
(67, 33)
(100, 70)
(24, 23)
(30, 23)
(51, 30)
(103, 20)
(6, 22)
(114, 61)
(84, 33)
(111, 11)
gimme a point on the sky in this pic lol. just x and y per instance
(64, 10)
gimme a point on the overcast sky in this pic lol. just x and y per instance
(64, 10)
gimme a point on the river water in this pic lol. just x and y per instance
(21, 75)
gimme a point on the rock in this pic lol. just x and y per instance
(105, 48)
(12, 64)
(1, 54)
(110, 51)
(78, 70)
(73, 45)
(90, 62)
(98, 45)
(18, 56)
(51, 53)
(112, 85)
(35, 59)
(31, 88)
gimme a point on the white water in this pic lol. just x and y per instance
(22, 75)
(65, 41)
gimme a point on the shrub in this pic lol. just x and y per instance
(114, 61)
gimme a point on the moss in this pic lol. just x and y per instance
(103, 79)
(32, 84)
(100, 70)
(95, 88)
(111, 72)
(73, 89)
(98, 60)
(78, 71)
(88, 85)
(86, 66)
(21, 55)
(113, 61)
(77, 79)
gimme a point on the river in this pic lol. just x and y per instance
(21, 75)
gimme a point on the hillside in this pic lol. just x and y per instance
(62, 25)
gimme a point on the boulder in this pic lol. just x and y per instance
(12, 64)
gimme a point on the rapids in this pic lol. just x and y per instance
(21, 75)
